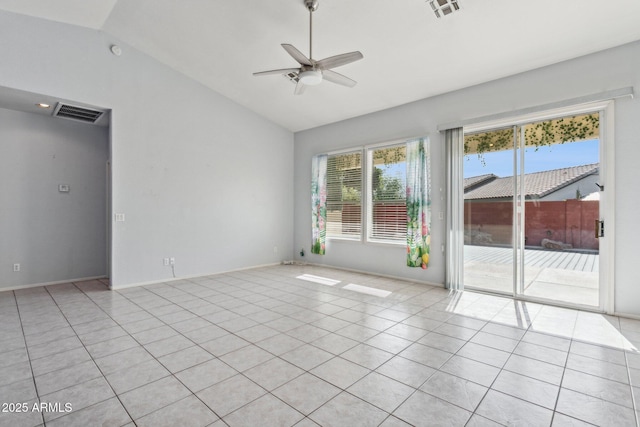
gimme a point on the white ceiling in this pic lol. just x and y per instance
(409, 54)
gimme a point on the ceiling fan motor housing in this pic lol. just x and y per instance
(312, 5)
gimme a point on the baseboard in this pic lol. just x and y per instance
(627, 315)
(175, 279)
(57, 282)
(388, 276)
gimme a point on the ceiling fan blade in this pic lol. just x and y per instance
(338, 78)
(338, 60)
(296, 54)
(299, 90)
(281, 71)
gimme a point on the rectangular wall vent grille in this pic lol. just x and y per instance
(77, 113)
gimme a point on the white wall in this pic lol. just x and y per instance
(607, 70)
(585, 186)
(199, 177)
(53, 236)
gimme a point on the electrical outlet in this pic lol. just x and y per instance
(275, 249)
(165, 261)
(16, 267)
(172, 261)
(441, 215)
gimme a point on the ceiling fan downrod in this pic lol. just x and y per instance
(312, 6)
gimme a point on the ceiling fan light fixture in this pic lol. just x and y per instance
(310, 77)
(444, 7)
(312, 72)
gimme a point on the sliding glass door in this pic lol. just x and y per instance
(531, 208)
(489, 167)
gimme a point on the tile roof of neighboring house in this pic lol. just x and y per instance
(475, 181)
(537, 184)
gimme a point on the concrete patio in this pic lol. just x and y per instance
(565, 276)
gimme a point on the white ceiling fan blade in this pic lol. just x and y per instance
(338, 60)
(299, 90)
(338, 78)
(281, 71)
(296, 54)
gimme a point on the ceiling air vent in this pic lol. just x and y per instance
(72, 112)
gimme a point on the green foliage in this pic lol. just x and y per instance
(539, 134)
(562, 130)
(485, 142)
(350, 194)
(387, 187)
(390, 155)
(346, 169)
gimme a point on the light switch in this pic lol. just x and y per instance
(63, 188)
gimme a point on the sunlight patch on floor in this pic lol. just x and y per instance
(367, 290)
(318, 279)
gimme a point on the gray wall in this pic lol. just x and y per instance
(607, 70)
(199, 177)
(53, 236)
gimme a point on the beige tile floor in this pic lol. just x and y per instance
(262, 347)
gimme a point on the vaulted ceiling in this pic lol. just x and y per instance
(409, 54)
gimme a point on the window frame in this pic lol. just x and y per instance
(355, 150)
(369, 149)
(366, 200)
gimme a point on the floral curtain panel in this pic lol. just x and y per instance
(418, 203)
(318, 203)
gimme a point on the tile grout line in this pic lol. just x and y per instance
(467, 341)
(90, 355)
(26, 347)
(217, 358)
(309, 372)
(564, 369)
(474, 412)
(172, 374)
(301, 300)
(633, 398)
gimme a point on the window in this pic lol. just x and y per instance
(387, 207)
(379, 173)
(344, 195)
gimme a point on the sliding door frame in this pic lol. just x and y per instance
(607, 201)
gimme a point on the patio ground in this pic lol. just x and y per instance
(558, 275)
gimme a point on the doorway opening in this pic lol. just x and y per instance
(56, 204)
(534, 208)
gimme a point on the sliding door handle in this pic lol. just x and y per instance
(599, 228)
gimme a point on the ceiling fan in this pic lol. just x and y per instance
(312, 72)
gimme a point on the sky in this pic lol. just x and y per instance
(546, 158)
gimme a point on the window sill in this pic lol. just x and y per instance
(344, 239)
(387, 242)
(367, 242)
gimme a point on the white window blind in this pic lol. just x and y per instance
(344, 195)
(387, 195)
